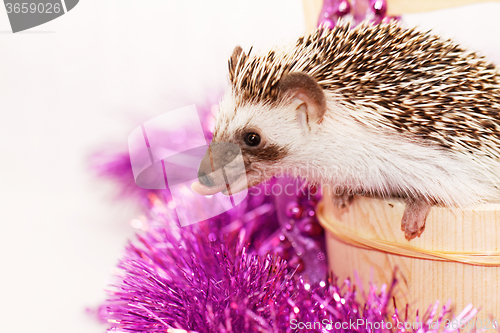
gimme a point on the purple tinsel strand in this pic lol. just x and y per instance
(188, 282)
(356, 11)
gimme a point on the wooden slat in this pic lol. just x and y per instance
(311, 13)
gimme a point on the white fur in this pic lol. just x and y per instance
(344, 151)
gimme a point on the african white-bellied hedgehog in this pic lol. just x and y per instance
(389, 111)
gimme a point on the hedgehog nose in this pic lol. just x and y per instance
(219, 156)
(204, 179)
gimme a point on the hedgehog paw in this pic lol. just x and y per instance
(414, 216)
(342, 200)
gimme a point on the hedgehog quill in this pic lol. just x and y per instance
(392, 111)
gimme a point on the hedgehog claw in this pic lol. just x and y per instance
(414, 216)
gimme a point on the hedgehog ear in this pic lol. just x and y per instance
(306, 95)
(233, 61)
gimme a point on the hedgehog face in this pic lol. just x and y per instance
(245, 136)
(268, 136)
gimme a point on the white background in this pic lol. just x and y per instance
(86, 79)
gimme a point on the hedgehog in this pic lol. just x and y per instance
(380, 110)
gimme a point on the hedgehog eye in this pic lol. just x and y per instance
(252, 139)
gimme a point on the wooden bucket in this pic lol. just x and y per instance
(456, 258)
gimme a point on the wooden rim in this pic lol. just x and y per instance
(339, 231)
